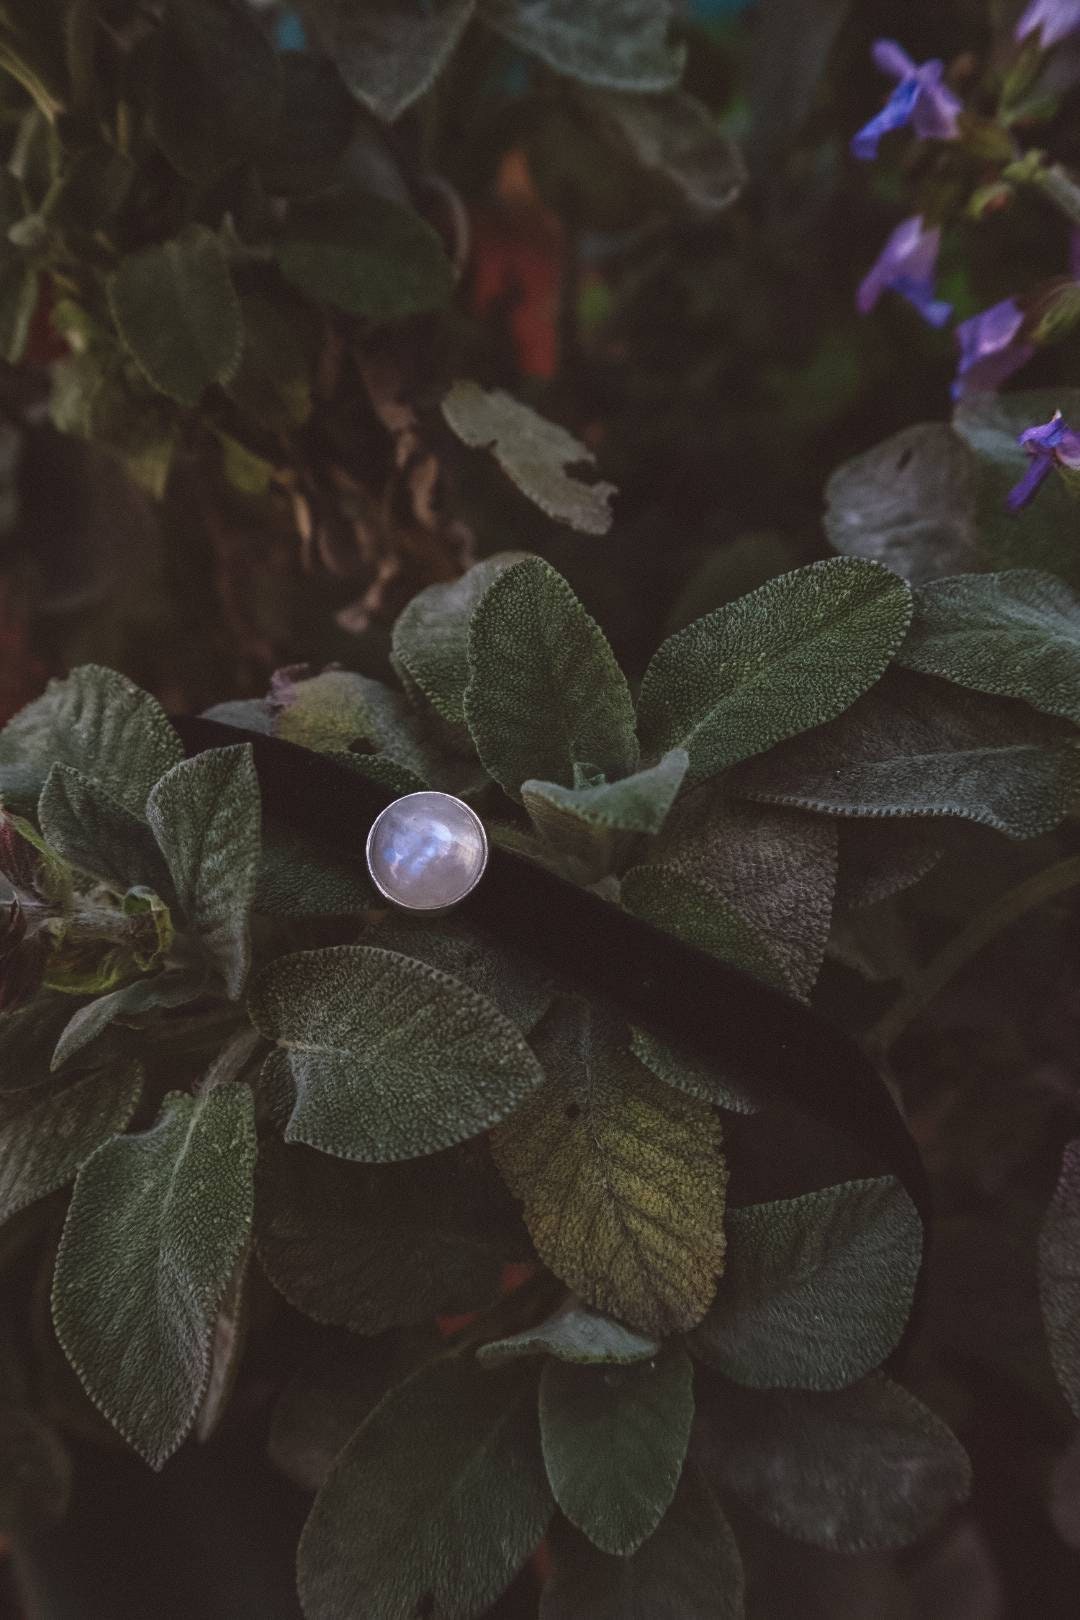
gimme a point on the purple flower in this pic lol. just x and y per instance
(1052, 444)
(1053, 19)
(921, 99)
(992, 346)
(906, 265)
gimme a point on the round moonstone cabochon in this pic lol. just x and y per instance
(426, 851)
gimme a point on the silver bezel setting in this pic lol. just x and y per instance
(403, 905)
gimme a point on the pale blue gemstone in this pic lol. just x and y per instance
(426, 851)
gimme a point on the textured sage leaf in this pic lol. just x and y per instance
(714, 1082)
(205, 815)
(214, 87)
(434, 1505)
(613, 44)
(156, 1224)
(1059, 1276)
(390, 1058)
(35, 1472)
(622, 1179)
(431, 636)
(389, 56)
(369, 1247)
(177, 311)
(365, 255)
(817, 1289)
(544, 693)
(576, 1333)
(689, 1569)
(864, 1469)
(85, 824)
(917, 746)
(338, 709)
(47, 1134)
(679, 145)
(697, 914)
(793, 654)
(614, 1441)
(908, 503)
(28, 1036)
(1015, 634)
(300, 876)
(533, 452)
(130, 1001)
(594, 825)
(881, 858)
(103, 725)
(227, 1342)
(509, 978)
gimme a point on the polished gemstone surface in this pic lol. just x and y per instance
(426, 851)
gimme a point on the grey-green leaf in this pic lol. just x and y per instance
(390, 1058)
(1015, 634)
(613, 44)
(817, 1290)
(366, 255)
(200, 48)
(434, 1505)
(715, 1082)
(614, 1441)
(508, 977)
(680, 906)
(1059, 1276)
(792, 655)
(103, 725)
(864, 1469)
(533, 452)
(390, 55)
(544, 693)
(44, 1139)
(694, 164)
(596, 825)
(144, 995)
(155, 1227)
(176, 309)
(85, 824)
(575, 1332)
(205, 815)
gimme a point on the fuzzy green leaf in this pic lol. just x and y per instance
(177, 311)
(338, 709)
(689, 1569)
(864, 1469)
(694, 165)
(509, 978)
(544, 693)
(790, 656)
(614, 1441)
(595, 825)
(431, 636)
(389, 56)
(45, 1138)
(85, 824)
(369, 1247)
(576, 1333)
(695, 913)
(300, 876)
(622, 1179)
(390, 1058)
(131, 1000)
(1059, 1276)
(533, 452)
(687, 1072)
(434, 1505)
(214, 87)
(613, 44)
(365, 255)
(28, 1036)
(917, 746)
(155, 1227)
(1015, 634)
(103, 725)
(817, 1290)
(205, 816)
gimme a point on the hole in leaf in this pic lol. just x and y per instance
(572, 1110)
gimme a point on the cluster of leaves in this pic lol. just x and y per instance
(295, 1074)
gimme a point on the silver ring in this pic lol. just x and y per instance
(426, 852)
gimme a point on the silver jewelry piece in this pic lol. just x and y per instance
(426, 852)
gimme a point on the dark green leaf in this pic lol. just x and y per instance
(300, 876)
(272, 383)
(155, 1227)
(678, 143)
(215, 87)
(18, 301)
(613, 44)
(697, 914)
(614, 1440)
(44, 1139)
(333, 711)
(791, 655)
(84, 823)
(596, 825)
(533, 452)
(509, 978)
(388, 55)
(1015, 634)
(622, 1179)
(577, 1333)
(28, 1036)
(366, 255)
(817, 1289)
(205, 816)
(177, 311)
(689, 1569)
(130, 1001)
(687, 1072)
(863, 1469)
(434, 1505)
(1059, 1276)
(369, 1247)
(544, 693)
(390, 1058)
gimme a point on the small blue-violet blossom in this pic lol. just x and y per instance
(1052, 444)
(921, 99)
(906, 265)
(1052, 19)
(992, 346)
